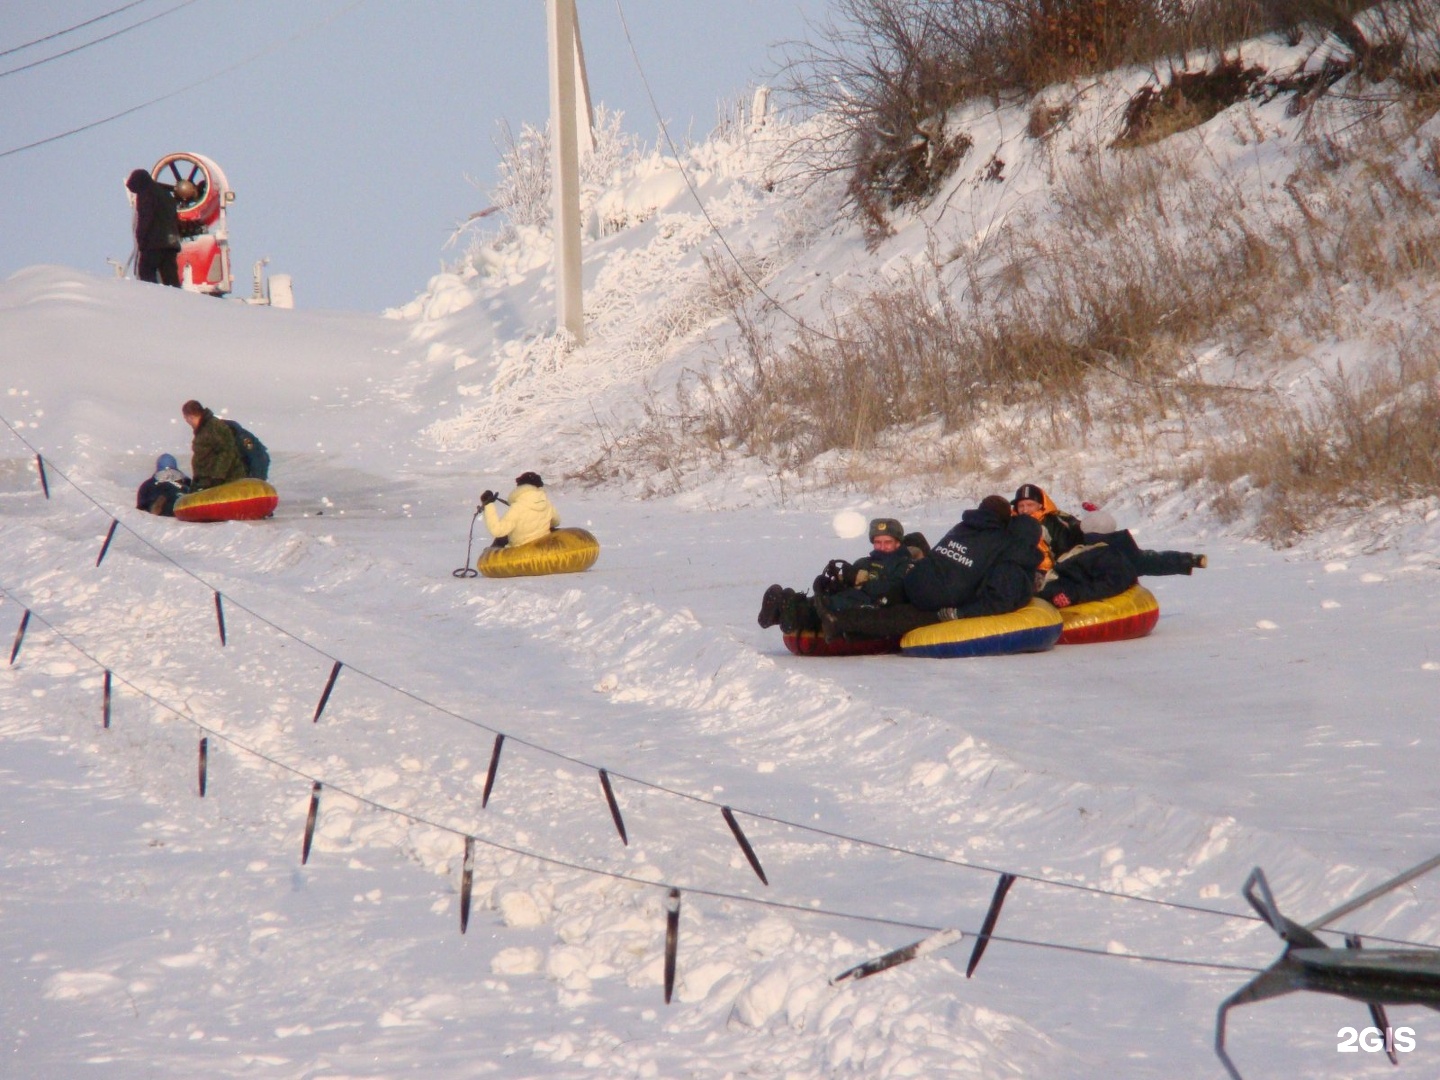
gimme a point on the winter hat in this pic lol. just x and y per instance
(1098, 521)
(137, 180)
(997, 506)
(886, 527)
(166, 461)
(531, 478)
(192, 408)
(1028, 491)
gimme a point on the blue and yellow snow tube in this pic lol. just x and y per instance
(239, 500)
(1033, 628)
(1132, 614)
(564, 551)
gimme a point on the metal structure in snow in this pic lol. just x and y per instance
(1376, 977)
(202, 195)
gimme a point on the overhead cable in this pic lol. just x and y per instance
(212, 77)
(808, 908)
(70, 29)
(641, 781)
(97, 41)
(685, 175)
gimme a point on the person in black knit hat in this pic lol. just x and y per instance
(530, 515)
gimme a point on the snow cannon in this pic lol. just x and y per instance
(202, 195)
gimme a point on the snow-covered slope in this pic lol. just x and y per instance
(1280, 715)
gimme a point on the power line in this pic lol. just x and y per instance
(578, 867)
(97, 41)
(568, 758)
(267, 51)
(72, 29)
(685, 175)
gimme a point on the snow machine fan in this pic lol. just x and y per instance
(202, 195)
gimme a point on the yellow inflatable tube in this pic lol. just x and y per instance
(564, 551)
(1034, 628)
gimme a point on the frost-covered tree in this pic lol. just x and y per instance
(522, 191)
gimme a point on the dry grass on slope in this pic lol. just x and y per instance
(1081, 328)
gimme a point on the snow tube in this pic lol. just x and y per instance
(564, 551)
(1033, 628)
(1132, 614)
(813, 643)
(239, 500)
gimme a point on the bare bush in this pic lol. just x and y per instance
(1365, 438)
(522, 191)
(887, 73)
(1186, 99)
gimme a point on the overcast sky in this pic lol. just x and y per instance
(349, 141)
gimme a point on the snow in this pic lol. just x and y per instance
(1281, 715)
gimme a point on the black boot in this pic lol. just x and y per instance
(790, 611)
(770, 607)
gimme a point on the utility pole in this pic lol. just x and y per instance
(567, 84)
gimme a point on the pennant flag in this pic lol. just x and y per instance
(902, 955)
(744, 844)
(310, 823)
(220, 617)
(105, 709)
(44, 483)
(19, 636)
(614, 807)
(672, 940)
(988, 926)
(494, 768)
(106, 545)
(204, 763)
(329, 685)
(467, 875)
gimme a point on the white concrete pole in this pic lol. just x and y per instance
(585, 112)
(565, 158)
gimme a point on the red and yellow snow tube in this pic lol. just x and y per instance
(564, 551)
(1034, 628)
(239, 500)
(1132, 614)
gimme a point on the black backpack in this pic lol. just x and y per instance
(252, 450)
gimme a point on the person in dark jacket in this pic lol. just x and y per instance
(1099, 526)
(157, 495)
(985, 565)
(157, 230)
(873, 581)
(214, 455)
(877, 579)
(1090, 571)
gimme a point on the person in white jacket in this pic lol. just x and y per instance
(530, 516)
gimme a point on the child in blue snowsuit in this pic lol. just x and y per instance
(157, 495)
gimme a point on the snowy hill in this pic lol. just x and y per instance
(1280, 715)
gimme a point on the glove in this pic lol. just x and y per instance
(834, 577)
(487, 497)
